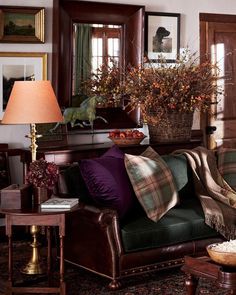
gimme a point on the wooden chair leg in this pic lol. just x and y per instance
(191, 285)
(114, 285)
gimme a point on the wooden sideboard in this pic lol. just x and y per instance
(5, 176)
(66, 155)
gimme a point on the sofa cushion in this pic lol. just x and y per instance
(182, 174)
(107, 181)
(227, 165)
(75, 184)
(152, 182)
(182, 223)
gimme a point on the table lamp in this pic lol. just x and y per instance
(32, 102)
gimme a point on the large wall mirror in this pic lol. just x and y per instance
(108, 30)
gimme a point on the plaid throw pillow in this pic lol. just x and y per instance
(227, 165)
(152, 183)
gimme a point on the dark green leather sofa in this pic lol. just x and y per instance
(98, 241)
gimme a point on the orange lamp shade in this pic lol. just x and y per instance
(32, 102)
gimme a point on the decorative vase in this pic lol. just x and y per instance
(41, 194)
(174, 127)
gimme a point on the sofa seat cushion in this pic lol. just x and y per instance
(184, 222)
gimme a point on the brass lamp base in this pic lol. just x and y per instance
(34, 266)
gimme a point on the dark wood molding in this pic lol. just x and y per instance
(205, 19)
(213, 17)
(4, 147)
(66, 12)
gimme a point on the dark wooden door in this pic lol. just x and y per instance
(218, 43)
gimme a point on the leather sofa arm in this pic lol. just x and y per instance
(93, 239)
(102, 215)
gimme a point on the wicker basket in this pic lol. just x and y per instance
(172, 128)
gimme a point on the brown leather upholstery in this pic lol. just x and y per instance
(93, 241)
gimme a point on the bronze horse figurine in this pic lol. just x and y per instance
(85, 112)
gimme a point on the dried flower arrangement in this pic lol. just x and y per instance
(182, 87)
(43, 174)
(106, 83)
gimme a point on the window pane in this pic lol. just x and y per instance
(114, 26)
(97, 25)
(113, 47)
(97, 46)
(96, 63)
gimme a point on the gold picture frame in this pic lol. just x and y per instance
(19, 66)
(22, 24)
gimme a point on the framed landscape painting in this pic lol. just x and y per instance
(21, 24)
(162, 36)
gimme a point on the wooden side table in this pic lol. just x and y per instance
(204, 267)
(35, 216)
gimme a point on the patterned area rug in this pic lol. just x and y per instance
(82, 282)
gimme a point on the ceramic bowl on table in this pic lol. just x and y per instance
(126, 137)
(222, 255)
(127, 140)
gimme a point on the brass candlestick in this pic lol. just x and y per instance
(33, 137)
(34, 266)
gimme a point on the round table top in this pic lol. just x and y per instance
(37, 210)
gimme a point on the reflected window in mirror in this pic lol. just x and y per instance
(94, 45)
(106, 41)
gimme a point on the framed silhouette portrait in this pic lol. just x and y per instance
(162, 36)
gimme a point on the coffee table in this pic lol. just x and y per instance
(204, 267)
(36, 216)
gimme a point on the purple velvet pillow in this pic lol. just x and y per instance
(108, 182)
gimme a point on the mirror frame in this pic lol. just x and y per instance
(67, 12)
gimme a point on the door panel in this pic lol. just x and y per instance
(218, 42)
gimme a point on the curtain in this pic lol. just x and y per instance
(83, 56)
